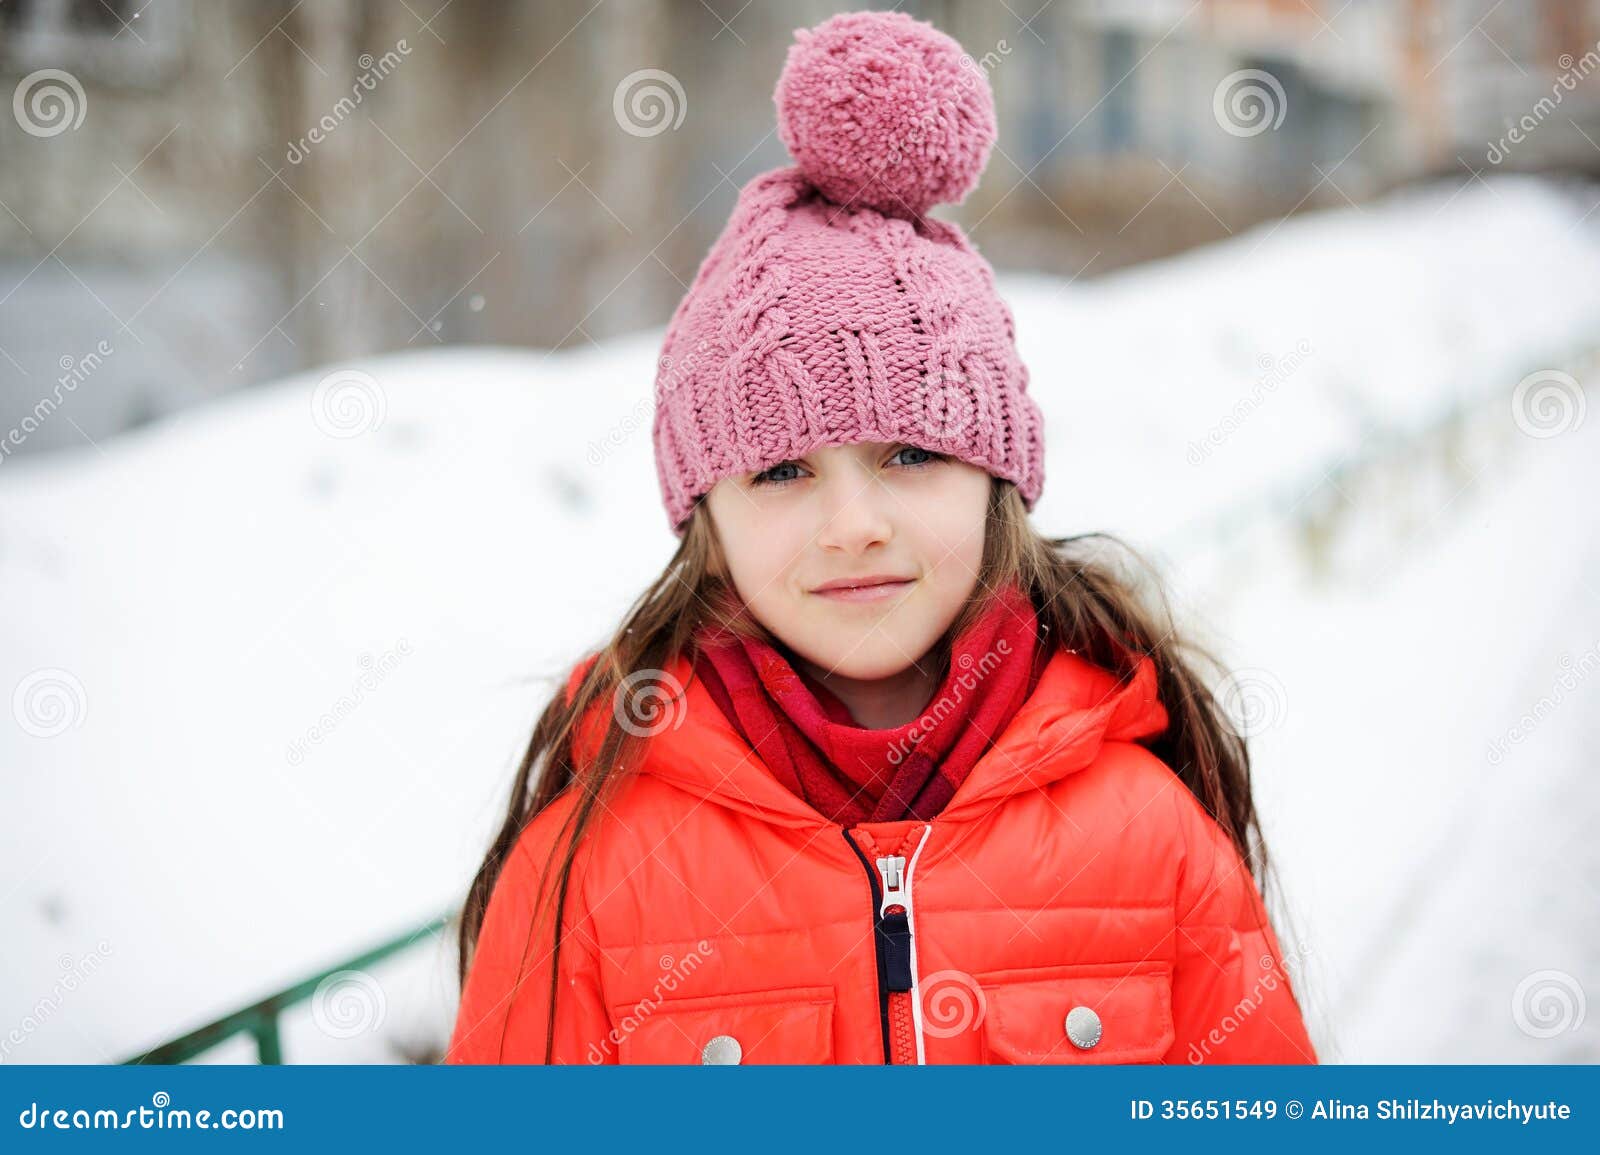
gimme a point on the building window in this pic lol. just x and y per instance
(1117, 113)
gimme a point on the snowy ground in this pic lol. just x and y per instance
(1312, 425)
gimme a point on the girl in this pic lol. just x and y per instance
(873, 772)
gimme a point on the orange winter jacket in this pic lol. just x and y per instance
(1073, 903)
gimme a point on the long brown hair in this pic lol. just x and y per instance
(1093, 593)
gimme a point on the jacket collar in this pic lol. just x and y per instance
(1075, 709)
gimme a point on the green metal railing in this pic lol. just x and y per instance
(261, 1019)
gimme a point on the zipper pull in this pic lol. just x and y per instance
(893, 871)
(894, 930)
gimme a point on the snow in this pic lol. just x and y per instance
(298, 669)
(1431, 878)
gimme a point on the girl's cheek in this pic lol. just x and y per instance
(766, 561)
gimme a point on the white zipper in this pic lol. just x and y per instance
(896, 875)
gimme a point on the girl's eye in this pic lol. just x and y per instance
(927, 456)
(787, 471)
(776, 475)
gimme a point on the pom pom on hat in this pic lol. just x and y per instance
(886, 112)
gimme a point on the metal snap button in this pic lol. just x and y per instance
(1083, 1027)
(724, 1051)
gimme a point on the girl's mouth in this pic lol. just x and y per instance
(871, 590)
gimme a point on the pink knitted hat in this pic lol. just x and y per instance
(833, 309)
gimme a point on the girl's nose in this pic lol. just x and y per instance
(855, 512)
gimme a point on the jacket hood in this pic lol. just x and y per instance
(1075, 709)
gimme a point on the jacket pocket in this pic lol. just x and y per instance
(1116, 1013)
(793, 1025)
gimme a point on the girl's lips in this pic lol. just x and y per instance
(874, 593)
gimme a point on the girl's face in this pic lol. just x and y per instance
(796, 538)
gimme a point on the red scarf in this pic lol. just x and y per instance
(805, 735)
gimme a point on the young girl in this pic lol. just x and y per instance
(873, 772)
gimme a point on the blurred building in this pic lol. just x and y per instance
(197, 197)
(1193, 120)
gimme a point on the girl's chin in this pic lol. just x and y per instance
(849, 657)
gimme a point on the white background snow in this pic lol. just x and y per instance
(1311, 426)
